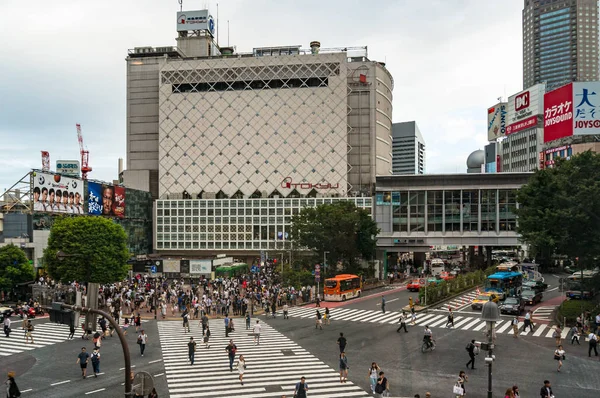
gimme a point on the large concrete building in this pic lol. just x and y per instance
(408, 149)
(560, 42)
(211, 128)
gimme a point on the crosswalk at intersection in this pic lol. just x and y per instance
(273, 367)
(432, 319)
(44, 334)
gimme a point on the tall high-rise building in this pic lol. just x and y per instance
(560, 42)
(408, 149)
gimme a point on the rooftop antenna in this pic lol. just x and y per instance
(180, 5)
(228, 33)
(217, 24)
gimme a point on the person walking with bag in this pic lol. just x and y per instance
(559, 355)
(450, 320)
(301, 388)
(471, 350)
(402, 323)
(557, 335)
(343, 367)
(241, 367)
(231, 350)
(373, 371)
(191, 350)
(12, 391)
(593, 343)
(96, 361)
(382, 386)
(207, 337)
(142, 340)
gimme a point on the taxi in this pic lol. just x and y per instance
(446, 275)
(415, 285)
(483, 298)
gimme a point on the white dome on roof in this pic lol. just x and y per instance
(476, 159)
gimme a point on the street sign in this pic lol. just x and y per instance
(153, 269)
(318, 267)
(254, 269)
(317, 278)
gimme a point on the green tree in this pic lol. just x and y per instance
(14, 267)
(347, 232)
(95, 249)
(559, 209)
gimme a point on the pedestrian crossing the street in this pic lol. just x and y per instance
(44, 334)
(273, 367)
(432, 319)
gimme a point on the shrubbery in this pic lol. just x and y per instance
(571, 309)
(462, 282)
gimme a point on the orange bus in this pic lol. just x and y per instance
(342, 287)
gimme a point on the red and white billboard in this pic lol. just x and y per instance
(573, 109)
(558, 113)
(524, 108)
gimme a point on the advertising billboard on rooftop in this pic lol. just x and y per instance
(496, 119)
(524, 108)
(55, 193)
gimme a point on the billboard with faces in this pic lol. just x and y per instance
(55, 193)
(106, 200)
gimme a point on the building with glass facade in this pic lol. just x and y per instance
(239, 227)
(560, 42)
(408, 149)
(419, 211)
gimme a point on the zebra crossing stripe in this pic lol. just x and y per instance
(471, 324)
(44, 334)
(479, 327)
(276, 355)
(540, 330)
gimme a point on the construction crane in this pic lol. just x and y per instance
(45, 161)
(85, 154)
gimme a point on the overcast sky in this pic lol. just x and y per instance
(62, 63)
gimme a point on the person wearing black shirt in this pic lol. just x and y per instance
(191, 349)
(342, 342)
(546, 390)
(471, 351)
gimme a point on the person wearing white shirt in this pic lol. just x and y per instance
(256, 331)
(7, 325)
(593, 343)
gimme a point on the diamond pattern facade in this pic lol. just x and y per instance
(231, 126)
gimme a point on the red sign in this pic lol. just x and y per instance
(542, 159)
(558, 113)
(498, 164)
(288, 183)
(522, 125)
(522, 101)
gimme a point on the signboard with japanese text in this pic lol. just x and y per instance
(523, 107)
(558, 113)
(586, 108)
(68, 167)
(55, 193)
(195, 20)
(496, 119)
(106, 200)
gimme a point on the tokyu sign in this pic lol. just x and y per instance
(68, 167)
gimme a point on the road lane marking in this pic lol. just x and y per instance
(160, 374)
(60, 382)
(389, 301)
(553, 289)
(31, 389)
(158, 360)
(132, 366)
(92, 392)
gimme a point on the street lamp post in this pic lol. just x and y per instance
(490, 314)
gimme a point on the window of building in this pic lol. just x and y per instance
(452, 211)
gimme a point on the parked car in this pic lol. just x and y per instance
(512, 305)
(483, 298)
(446, 275)
(538, 286)
(531, 297)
